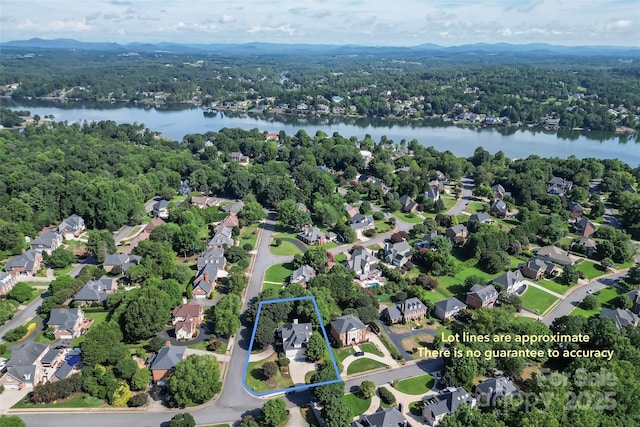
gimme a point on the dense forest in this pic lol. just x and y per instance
(581, 92)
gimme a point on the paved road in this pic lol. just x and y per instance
(465, 197)
(22, 316)
(126, 229)
(578, 293)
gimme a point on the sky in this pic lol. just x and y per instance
(362, 22)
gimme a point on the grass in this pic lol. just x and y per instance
(387, 342)
(416, 341)
(63, 271)
(477, 207)
(42, 339)
(554, 286)
(278, 273)
(257, 382)
(342, 353)
(285, 249)
(605, 296)
(537, 300)
(410, 218)
(356, 403)
(247, 236)
(98, 317)
(364, 365)
(341, 257)
(78, 401)
(416, 385)
(202, 345)
(382, 226)
(589, 269)
(275, 286)
(370, 348)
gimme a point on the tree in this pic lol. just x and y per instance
(337, 414)
(120, 394)
(195, 381)
(98, 341)
(21, 292)
(274, 412)
(60, 258)
(16, 333)
(147, 314)
(607, 264)
(386, 396)
(633, 275)
(570, 275)
(291, 215)
(11, 238)
(126, 368)
(101, 243)
(367, 389)
(597, 209)
(590, 302)
(182, 420)
(264, 331)
(316, 348)
(269, 369)
(140, 379)
(623, 301)
(11, 421)
(252, 211)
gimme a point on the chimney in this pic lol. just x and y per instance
(295, 321)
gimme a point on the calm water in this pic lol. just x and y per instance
(175, 123)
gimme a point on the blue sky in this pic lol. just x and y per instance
(363, 22)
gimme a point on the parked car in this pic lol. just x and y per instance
(358, 353)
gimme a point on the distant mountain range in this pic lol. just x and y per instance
(258, 48)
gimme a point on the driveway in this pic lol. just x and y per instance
(465, 197)
(298, 369)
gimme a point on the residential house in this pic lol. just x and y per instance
(555, 255)
(361, 222)
(535, 268)
(481, 217)
(68, 323)
(294, 337)
(408, 204)
(511, 281)
(96, 291)
(184, 189)
(558, 186)
(186, 318)
(349, 330)
(313, 236)
(584, 227)
(124, 261)
(576, 209)
(205, 281)
(51, 357)
(367, 156)
(71, 227)
(634, 296)
(490, 390)
(302, 207)
(482, 296)
(432, 193)
(7, 282)
(628, 187)
(621, 317)
(457, 234)
(233, 207)
(213, 256)
(499, 208)
(63, 372)
(391, 417)
(397, 254)
(163, 364)
(407, 310)
(237, 156)
(440, 176)
(426, 241)
(24, 368)
(153, 224)
(302, 275)
(222, 238)
(587, 244)
(446, 403)
(47, 242)
(160, 209)
(203, 202)
(26, 264)
(499, 192)
(362, 262)
(446, 309)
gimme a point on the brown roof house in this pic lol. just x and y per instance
(584, 227)
(163, 364)
(348, 330)
(228, 222)
(482, 296)
(68, 323)
(576, 209)
(186, 319)
(203, 202)
(586, 244)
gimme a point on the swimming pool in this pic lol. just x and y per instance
(73, 359)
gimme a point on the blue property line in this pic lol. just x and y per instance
(298, 387)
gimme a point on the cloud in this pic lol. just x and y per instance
(286, 29)
(120, 2)
(225, 19)
(92, 17)
(522, 6)
(73, 26)
(110, 16)
(320, 14)
(506, 32)
(619, 24)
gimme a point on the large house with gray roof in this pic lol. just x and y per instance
(489, 391)
(621, 317)
(67, 322)
(446, 403)
(161, 209)
(554, 255)
(407, 310)
(510, 281)
(362, 263)
(124, 261)
(47, 242)
(205, 281)
(302, 275)
(446, 309)
(558, 186)
(294, 338)
(164, 363)
(536, 268)
(397, 254)
(26, 264)
(222, 238)
(71, 227)
(426, 241)
(213, 256)
(391, 417)
(482, 296)
(96, 291)
(349, 330)
(24, 368)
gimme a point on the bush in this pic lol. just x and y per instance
(247, 247)
(49, 392)
(16, 333)
(377, 215)
(214, 345)
(277, 242)
(137, 400)
(386, 396)
(283, 362)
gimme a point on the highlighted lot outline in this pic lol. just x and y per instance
(295, 387)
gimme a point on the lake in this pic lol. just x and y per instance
(176, 122)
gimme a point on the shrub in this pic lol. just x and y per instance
(214, 345)
(137, 400)
(386, 396)
(247, 247)
(16, 333)
(277, 242)
(283, 362)
(269, 369)
(370, 233)
(49, 392)
(377, 215)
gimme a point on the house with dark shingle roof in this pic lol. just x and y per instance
(27, 263)
(164, 363)
(634, 296)
(302, 275)
(160, 208)
(499, 208)
(482, 296)
(446, 403)
(222, 238)
(66, 322)
(510, 281)
(294, 337)
(432, 193)
(397, 254)
(233, 207)
(124, 261)
(584, 227)
(481, 217)
(205, 281)
(47, 242)
(391, 417)
(575, 208)
(587, 244)
(96, 291)
(409, 309)
(457, 234)
(24, 368)
(446, 309)
(72, 226)
(408, 204)
(499, 192)
(535, 268)
(213, 256)
(349, 330)
(555, 255)
(313, 236)
(621, 317)
(558, 186)
(361, 262)
(489, 391)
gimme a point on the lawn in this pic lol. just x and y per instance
(371, 348)
(247, 236)
(256, 381)
(202, 345)
(99, 317)
(342, 353)
(605, 296)
(62, 271)
(278, 273)
(416, 342)
(341, 257)
(78, 401)
(275, 286)
(554, 286)
(363, 365)
(410, 218)
(382, 226)
(537, 300)
(477, 207)
(285, 249)
(356, 403)
(416, 385)
(589, 269)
